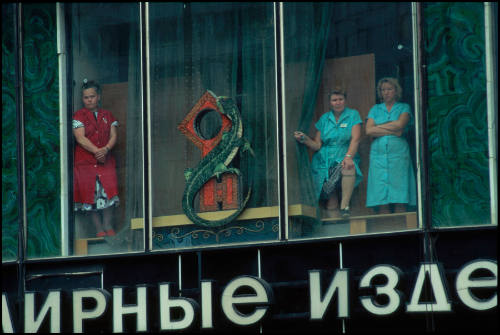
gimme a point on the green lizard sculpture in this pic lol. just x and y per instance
(215, 163)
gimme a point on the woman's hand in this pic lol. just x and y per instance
(100, 154)
(314, 144)
(300, 136)
(348, 163)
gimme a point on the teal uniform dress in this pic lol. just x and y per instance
(391, 178)
(335, 137)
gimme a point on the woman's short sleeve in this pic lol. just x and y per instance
(356, 118)
(321, 123)
(371, 113)
(406, 109)
(77, 124)
(78, 119)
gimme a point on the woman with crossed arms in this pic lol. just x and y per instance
(391, 180)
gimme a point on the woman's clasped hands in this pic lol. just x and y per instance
(100, 154)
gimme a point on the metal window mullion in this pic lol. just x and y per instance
(424, 203)
(419, 68)
(281, 120)
(491, 104)
(418, 97)
(63, 127)
(21, 168)
(146, 121)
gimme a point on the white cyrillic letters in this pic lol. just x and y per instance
(100, 297)
(7, 325)
(245, 300)
(206, 304)
(438, 287)
(261, 298)
(369, 303)
(119, 309)
(166, 304)
(318, 306)
(52, 304)
(464, 283)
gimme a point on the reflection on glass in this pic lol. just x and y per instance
(9, 137)
(335, 53)
(206, 57)
(107, 123)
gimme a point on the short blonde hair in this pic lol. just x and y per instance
(394, 82)
(338, 90)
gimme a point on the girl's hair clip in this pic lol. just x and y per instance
(85, 80)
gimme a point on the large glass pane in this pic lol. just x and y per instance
(10, 206)
(107, 127)
(342, 128)
(212, 77)
(456, 113)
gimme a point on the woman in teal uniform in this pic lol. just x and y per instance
(336, 142)
(391, 180)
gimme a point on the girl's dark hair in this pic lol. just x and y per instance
(91, 84)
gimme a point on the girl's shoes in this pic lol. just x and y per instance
(110, 232)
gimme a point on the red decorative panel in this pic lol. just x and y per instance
(213, 196)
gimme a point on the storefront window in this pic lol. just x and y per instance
(10, 213)
(350, 118)
(212, 92)
(107, 145)
(212, 125)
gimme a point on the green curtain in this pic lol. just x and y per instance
(307, 27)
(258, 96)
(228, 49)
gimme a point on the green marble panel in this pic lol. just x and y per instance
(454, 45)
(41, 107)
(456, 113)
(9, 137)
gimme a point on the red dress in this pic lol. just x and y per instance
(86, 167)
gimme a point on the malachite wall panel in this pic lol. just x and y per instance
(41, 107)
(456, 113)
(9, 137)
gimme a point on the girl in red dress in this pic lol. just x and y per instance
(95, 185)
